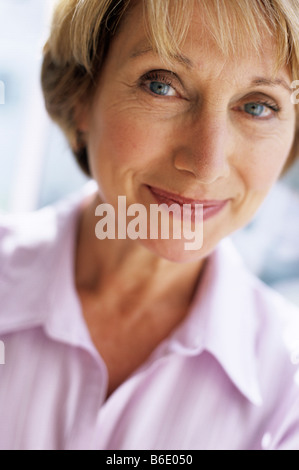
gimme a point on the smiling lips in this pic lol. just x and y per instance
(210, 207)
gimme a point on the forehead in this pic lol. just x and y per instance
(201, 42)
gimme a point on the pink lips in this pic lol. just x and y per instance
(210, 207)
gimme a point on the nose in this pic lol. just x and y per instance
(204, 148)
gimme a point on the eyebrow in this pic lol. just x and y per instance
(261, 81)
(182, 59)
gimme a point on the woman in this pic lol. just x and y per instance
(140, 343)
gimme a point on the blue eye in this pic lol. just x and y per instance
(159, 88)
(258, 110)
(161, 83)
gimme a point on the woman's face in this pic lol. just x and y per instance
(207, 128)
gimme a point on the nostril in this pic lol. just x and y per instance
(205, 168)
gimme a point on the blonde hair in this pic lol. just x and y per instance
(82, 31)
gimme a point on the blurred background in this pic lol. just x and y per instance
(37, 168)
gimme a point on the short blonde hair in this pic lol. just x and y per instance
(82, 31)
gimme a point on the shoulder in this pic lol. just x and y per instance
(277, 338)
(26, 262)
(32, 247)
(276, 348)
(268, 306)
(22, 236)
(26, 237)
(276, 319)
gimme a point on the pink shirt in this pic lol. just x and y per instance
(227, 378)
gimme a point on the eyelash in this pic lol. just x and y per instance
(157, 76)
(164, 77)
(270, 105)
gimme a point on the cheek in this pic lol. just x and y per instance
(123, 141)
(264, 163)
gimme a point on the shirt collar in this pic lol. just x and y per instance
(221, 321)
